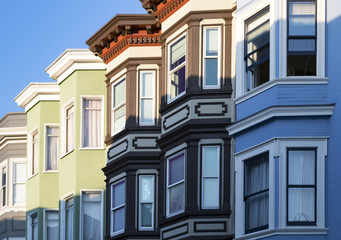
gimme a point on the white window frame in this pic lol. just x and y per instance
(29, 224)
(82, 191)
(277, 152)
(211, 57)
(169, 72)
(31, 161)
(114, 108)
(141, 123)
(64, 134)
(5, 187)
(141, 202)
(45, 221)
(45, 145)
(168, 214)
(218, 147)
(92, 97)
(112, 209)
(12, 165)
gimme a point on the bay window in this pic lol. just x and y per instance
(146, 202)
(118, 207)
(301, 55)
(257, 51)
(176, 184)
(52, 148)
(92, 123)
(211, 54)
(147, 96)
(118, 115)
(177, 68)
(19, 183)
(91, 214)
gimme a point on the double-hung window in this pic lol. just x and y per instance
(51, 224)
(176, 184)
(33, 231)
(118, 115)
(146, 202)
(69, 206)
(34, 153)
(256, 193)
(52, 148)
(3, 186)
(91, 214)
(211, 53)
(92, 123)
(147, 106)
(19, 183)
(177, 68)
(257, 53)
(301, 57)
(69, 125)
(210, 177)
(118, 207)
(301, 186)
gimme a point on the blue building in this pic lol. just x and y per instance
(288, 119)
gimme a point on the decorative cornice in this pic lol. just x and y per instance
(36, 92)
(280, 111)
(71, 60)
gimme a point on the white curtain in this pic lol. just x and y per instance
(92, 123)
(52, 148)
(301, 205)
(92, 216)
(257, 206)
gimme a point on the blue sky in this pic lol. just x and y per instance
(34, 33)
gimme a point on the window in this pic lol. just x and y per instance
(34, 153)
(51, 225)
(177, 68)
(52, 149)
(117, 207)
(301, 186)
(210, 177)
(118, 117)
(69, 219)
(69, 125)
(92, 123)
(3, 186)
(301, 57)
(211, 53)
(33, 227)
(256, 193)
(91, 215)
(147, 106)
(19, 183)
(146, 202)
(176, 184)
(257, 42)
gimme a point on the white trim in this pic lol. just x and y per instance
(82, 191)
(92, 97)
(4, 165)
(281, 81)
(280, 111)
(140, 202)
(114, 108)
(30, 152)
(63, 129)
(152, 97)
(204, 57)
(13, 131)
(46, 125)
(112, 233)
(11, 182)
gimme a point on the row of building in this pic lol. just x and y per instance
(198, 120)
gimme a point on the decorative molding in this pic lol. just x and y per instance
(167, 9)
(179, 230)
(213, 227)
(136, 145)
(117, 149)
(280, 111)
(174, 115)
(206, 109)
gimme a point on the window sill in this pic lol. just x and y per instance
(51, 171)
(311, 230)
(32, 176)
(116, 233)
(174, 214)
(64, 155)
(309, 80)
(91, 148)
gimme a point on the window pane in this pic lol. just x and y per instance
(301, 205)
(302, 167)
(176, 169)
(3, 182)
(257, 175)
(52, 148)
(301, 45)
(177, 52)
(146, 214)
(210, 161)
(258, 38)
(211, 71)
(178, 82)
(212, 42)
(69, 219)
(302, 18)
(119, 218)
(34, 227)
(177, 198)
(92, 123)
(120, 120)
(147, 84)
(91, 216)
(211, 192)
(147, 110)
(118, 191)
(19, 193)
(52, 225)
(146, 188)
(119, 93)
(301, 65)
(257, 211)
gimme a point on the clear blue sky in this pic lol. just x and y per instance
(34, 33)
